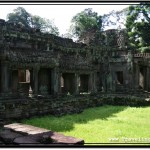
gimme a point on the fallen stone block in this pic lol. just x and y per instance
(25, 140)
(34, 135)
(8, 136)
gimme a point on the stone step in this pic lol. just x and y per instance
(25, 129)
(8, 136)
(22, 134)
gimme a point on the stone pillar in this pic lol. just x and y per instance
(36, 45)
(136, 76)
(113, 82)
(4, 77)
(59, 83)
(55, 81)
(90, 88)
(35, 80)
(92, 83)
(47, 46)
(76, 84)
(147, 79)
(14, 81)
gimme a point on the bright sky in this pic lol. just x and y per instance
(61, 14)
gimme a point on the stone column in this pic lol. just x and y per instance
(113, 82)
(35, 80)
(94, 82)
(55, 81)
(36, 45)
(76, 84)
(59, 82)
(147, 79)
(136, 76)
(47, 46)
(90, 83)
(4, 77)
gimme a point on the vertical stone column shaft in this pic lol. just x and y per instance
(147, 79)
(35, 79)
(4, 77)
(136, 76)
(92, 82)
(55, 80)
(90, 88)
(76, 83)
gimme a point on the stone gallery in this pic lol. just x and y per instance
(38, 70)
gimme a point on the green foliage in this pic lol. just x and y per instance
(114, 18)
(145, 49)
(138, 26)
(25, 19)
(20, 16)
(86, 21)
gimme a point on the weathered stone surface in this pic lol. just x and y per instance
(60, 138)
(54, 137)
(33, 137)
(51, 57)
(25, 140)
(36, 131)
(26, 129)
(8, 136)
(2, 143)
(12, 126)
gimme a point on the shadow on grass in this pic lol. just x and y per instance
(67, 122)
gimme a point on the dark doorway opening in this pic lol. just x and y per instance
(119, 75)
(83, 84)
(44, 81)
(22, 78)
(0, 78)
(68, 83)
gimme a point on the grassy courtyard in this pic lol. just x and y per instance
(106, 124)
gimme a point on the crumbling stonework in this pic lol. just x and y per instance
(26, 135)
(37, 68)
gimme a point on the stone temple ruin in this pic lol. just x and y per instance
(38, 70)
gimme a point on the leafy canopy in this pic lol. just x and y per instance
(25, 19)
(84, 22)
(138, 26)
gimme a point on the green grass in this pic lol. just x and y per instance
(100, 124)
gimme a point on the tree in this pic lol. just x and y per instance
(50, 27)
(85, 24)
(138, 26)
(22, 17)
(45, 25)
(115, 19)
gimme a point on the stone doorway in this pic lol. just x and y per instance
(119, 77)
(44, 81)
(142, 78)
(68, 83)
(99, 81)
(84, 83)
(20, 81)
(0, 77)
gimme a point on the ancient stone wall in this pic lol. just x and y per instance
(104, 64)
(18, 109)
(26, 108)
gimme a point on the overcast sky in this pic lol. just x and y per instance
(61, 14)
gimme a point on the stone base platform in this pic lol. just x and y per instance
(27, 135)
